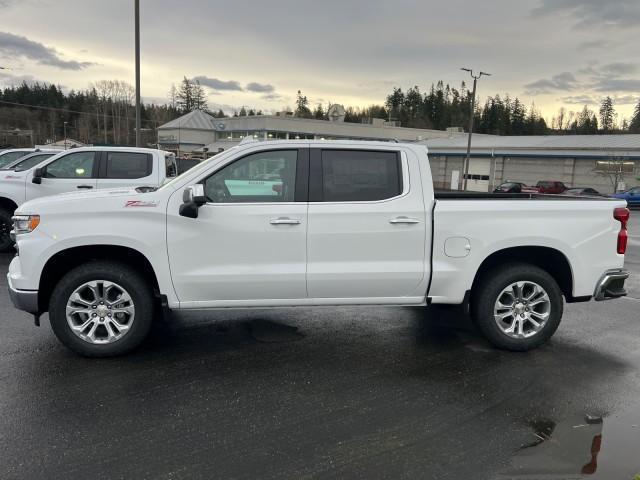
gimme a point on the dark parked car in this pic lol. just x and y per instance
(514, 187)
(588, 191)
(551, 186)
(632, 196)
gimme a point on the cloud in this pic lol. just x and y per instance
(272, 97)
(579, 100)
(564, 81)
(216, 84)
(10, 80)
(16, 46)
(626, 99)
(617, 85)
(260, 87)
(593, 13)
(619, 68)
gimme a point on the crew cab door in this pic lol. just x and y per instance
(119, 168)
(75, 171)
(249, 240)
(367, 225)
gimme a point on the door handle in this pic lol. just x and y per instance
(85, 187)
(284, 221)
(403, 220)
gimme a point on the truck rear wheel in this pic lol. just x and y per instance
(517, 306)
(101, 309)
(6, 224)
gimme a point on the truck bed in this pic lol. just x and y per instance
(453, 195)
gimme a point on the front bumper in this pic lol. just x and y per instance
(611, 285)
(26, 300)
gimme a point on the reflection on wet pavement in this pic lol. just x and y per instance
(580, 447)
(272, 332)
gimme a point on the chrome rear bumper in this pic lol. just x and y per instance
(611, 285)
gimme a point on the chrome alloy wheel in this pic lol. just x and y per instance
(522, 309)
(100, 312)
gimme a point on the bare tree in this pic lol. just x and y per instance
(615, 170)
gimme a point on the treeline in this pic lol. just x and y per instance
(102, 114)
(444, 106)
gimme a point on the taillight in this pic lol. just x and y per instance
(622, 215)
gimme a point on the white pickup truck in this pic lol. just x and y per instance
(305, 223)
(84, 168)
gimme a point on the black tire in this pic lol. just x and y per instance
(487, 292)
(6, 224)
(135, 284)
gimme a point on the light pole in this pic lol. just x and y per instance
(467, 160)
(64, 126)
(138, 112)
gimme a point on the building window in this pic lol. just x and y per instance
(223, 135)
(276, 135)
(615, 166)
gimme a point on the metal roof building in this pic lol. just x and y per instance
(197, 130)
(576, 160)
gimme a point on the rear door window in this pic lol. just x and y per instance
(358, 176)
(128, 165)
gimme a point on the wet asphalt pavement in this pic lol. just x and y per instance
(327, 393)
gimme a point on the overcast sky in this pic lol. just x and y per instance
(259, 53)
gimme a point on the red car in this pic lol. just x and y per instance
(551, 186)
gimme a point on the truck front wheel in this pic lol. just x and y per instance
(517, 306)
(101, 309)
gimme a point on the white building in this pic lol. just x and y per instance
(576, 160)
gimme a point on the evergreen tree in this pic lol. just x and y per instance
(607, 115)
(634, 126)
(186, 96)
(302, 106)
(199, 96)
(318, 113)
(243, 112)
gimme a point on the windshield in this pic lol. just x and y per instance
(30, 161)
(10, 157)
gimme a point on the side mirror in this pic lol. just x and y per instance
(37, 175)
(194, 194)
(193, 197)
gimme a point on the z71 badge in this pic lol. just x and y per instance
(139, 203)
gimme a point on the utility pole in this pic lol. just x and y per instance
(138, 111)
(64, 126)
(467, 160)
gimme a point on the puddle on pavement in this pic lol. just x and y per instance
(272, 332)
(580, 447)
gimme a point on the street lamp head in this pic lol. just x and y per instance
(485, 74)
(467, 70)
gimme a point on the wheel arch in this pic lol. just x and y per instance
(553, 261)
(66, 260)
(8, 204)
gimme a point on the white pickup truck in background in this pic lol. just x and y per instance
(85, 168)
(304, 223)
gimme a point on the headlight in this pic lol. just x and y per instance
(25, 223)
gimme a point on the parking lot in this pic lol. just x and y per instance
(327, 392)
